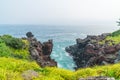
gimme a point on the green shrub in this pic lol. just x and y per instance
(4, 50)
(13, 42)
(13, 47)
(21, 53)
(116, 33)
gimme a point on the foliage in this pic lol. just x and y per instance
(115, 33)
(114, 37)
(12, 42)
(8, 48)
(58, 74)
(4, 50)
(13, 68)
(109, 70)
(20, 53)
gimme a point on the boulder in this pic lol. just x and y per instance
(29, 75)
(29, 34)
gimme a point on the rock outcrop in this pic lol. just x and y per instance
(89, 52)
(41, 51)
(98, 78)
(29, 75)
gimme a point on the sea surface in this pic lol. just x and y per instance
(62, 36)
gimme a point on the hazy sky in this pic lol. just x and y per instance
(57, 12)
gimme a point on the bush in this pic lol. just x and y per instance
(21, 54)
(4, 50)
(13, 47)
(116, 33)
(13, 42)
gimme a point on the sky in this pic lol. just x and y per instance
(59, 12)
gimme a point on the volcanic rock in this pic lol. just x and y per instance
(41, 51)
(89, 52)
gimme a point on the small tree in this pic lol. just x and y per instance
(118, 22)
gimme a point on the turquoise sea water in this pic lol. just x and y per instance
(62, 37)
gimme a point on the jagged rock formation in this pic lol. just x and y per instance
(89, 52)
(41, 51)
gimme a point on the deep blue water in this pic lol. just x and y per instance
(62, 36)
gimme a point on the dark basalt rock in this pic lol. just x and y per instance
(41, 51)
(88, 52)
(29, 34)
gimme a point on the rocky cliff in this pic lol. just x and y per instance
(41, 51)
(91, 51)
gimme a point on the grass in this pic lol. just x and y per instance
(109, 70)
(13, 68)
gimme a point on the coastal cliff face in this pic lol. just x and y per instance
(41, 51)
(94, 50)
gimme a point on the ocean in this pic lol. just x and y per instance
(62, 36)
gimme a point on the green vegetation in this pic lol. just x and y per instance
(12, 42)
(4, 50)
(15, 60)
(13, 47)
(116, 33)
(13, 68)
(109, 70)
(114, 38)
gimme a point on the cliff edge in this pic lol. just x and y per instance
(95, 50)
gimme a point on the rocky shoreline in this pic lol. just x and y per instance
(89, 52)
(41, 52)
